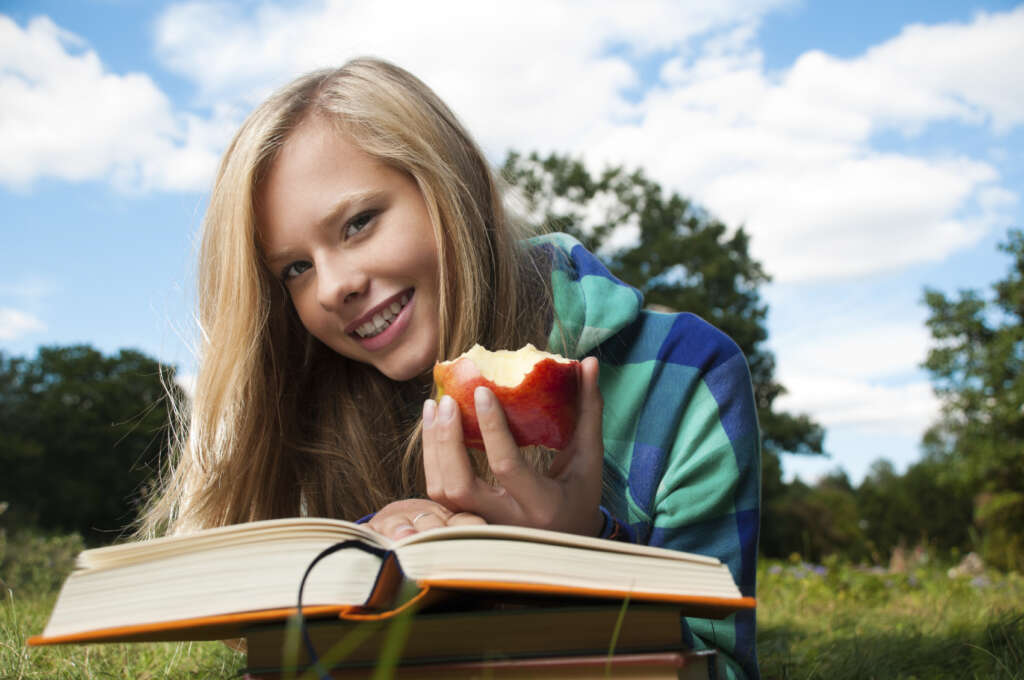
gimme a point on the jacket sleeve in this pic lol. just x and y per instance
(681, 414)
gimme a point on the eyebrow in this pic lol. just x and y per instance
(341, 206)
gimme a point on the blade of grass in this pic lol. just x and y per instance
(290, 646)
(994, 657)
(615, 637)
(349, 643)
(391, 650)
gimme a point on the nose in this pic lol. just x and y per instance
(339, 283)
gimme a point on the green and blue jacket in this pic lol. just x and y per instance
(682, 446)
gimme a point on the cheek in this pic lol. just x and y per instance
(309, 313)
(425, 262)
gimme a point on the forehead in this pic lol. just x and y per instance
(314, 170)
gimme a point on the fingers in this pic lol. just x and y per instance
(586, 450)
(405, 517)
(449, 474)
(522, 496)
(527, 496)
(413, 515)
(428, 520)
(503, 454)
(465, 519)
(592, 404)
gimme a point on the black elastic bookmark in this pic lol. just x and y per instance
(352, 543)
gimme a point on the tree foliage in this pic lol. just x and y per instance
(977, 370)
(681, 258)
(815, 521)
(923, 505)
(80, 433)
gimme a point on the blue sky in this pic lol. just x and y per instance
(871, 149)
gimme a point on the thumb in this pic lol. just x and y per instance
(586, 450)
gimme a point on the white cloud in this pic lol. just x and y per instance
(65, 116)
(791, 156)
(856, 350)
(15, 323)
(858, 373)
(848, 369)
(905, 409)
(543, 77)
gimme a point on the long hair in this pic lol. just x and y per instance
(280, 425)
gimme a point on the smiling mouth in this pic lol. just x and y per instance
(382, 319)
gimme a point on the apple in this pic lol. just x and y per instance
(538, 391)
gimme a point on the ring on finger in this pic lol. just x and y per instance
(420, 516)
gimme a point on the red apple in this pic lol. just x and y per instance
(537, 390)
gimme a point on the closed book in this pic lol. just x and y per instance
(502, 631)
(652, 666)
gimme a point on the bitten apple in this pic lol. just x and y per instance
(538, 391)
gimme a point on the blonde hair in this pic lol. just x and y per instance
(280, 425)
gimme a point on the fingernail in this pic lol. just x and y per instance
(483, 398)
(447, 408)
(429, 412)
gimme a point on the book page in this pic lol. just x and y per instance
(501, 531)
(266, 531)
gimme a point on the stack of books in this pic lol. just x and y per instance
(458, 602)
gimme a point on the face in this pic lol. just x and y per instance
(353, 243)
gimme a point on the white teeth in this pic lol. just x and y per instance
(382, 319)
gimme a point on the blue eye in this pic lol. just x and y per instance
(358, 223)
(294, 269)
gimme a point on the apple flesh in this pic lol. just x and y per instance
(538, 391)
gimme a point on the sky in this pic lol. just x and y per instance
(870, 149)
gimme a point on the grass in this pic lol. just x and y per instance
(25, 616)
(840, 621)
(831, 621)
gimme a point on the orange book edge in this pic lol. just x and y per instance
(226, 626)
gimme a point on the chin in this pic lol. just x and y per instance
(408, 369)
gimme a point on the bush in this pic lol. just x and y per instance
(1000, 517)
(33, 562)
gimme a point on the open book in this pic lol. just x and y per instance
(214, 583)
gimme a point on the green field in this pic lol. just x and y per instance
(829, 621)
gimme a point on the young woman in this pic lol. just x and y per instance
(355, 236)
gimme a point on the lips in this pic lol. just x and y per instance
(382, 318)
(372, 327)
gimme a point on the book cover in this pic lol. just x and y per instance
(652, 666)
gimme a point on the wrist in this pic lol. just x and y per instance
(598, 524)
(613, 529)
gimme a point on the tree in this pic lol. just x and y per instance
(681, 258)
(816, 521)
(80, 434)
(921, 505)
(977, 371)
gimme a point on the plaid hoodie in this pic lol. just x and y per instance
(682, 448)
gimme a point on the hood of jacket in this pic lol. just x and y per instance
(590, 304)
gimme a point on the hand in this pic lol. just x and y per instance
(565, 499)
(403, 518)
